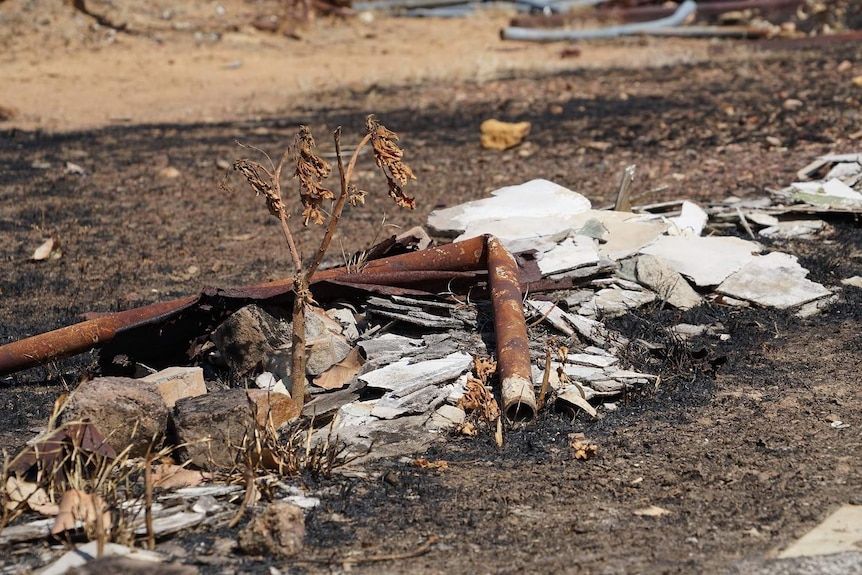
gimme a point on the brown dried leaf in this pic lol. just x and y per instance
(311, 170)
(584, 449)
(356, 196)
(388, 157)
(251, 170)
(423, 463)
(170, 476)
(26, 493)
(78, 506)
(484, 368)
(49, 451)
(479, 398)
(342, 372)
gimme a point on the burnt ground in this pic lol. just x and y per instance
(745, 460)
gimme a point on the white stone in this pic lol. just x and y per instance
(268, 381)
(761, 218)
(774, 280)
(80, 555)
(833, 188)
(446, 417)
(612, 302)
(592, 359)
(855, 281)
(572, 396)
(706, 261)
(355, 413)
(391, 344)
(801, 229)
(395, 404)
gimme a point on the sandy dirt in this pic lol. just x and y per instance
(72, 74)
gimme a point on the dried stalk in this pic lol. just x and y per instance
(546, 380)
(345, 176)
(311, 170)
(148, 502)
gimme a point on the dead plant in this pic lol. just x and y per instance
(311, 171)
(266, 453)
(73, 474)
(479, 401)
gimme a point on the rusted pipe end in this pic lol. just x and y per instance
(519, 399)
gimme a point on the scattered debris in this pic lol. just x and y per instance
(682, 13)
(86, 555)
(399, 359)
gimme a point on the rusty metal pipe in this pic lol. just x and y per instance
(483, 252)
(80, 337)
(513, 347)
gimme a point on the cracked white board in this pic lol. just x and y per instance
(774, 280)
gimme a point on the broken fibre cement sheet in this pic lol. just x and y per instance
(705, 261)
(774, 280)
(535, 200)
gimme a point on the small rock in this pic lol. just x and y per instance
(855, 281)
(773, 141)
(791, 104)
(73, 168)
(211, 427)
(269, 23)
(223, 164)
(844, 66)
(277, 532)
(598, 146)
(169, 172)
(270, 382)
(249, 337)
(175, 383)
(128, 412)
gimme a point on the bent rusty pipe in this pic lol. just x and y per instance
(482, 252)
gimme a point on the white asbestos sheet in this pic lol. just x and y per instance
(774, 280)
(534, 200)
(705, 261)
